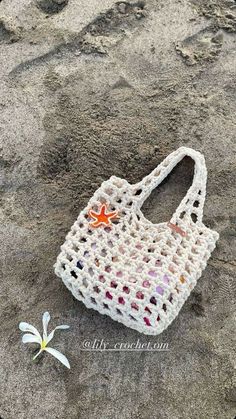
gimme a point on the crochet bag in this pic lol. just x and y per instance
(120, 264)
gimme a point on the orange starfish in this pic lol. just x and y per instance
(103, 217)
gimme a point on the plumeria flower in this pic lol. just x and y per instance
(35, 337)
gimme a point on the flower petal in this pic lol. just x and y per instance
(26, 327)
(46, 319)
(28, 338)
(50, 336)
(63, 326)
(59, 356)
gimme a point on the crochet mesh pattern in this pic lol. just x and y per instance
(137, 272)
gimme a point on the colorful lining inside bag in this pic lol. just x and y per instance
(120, 264)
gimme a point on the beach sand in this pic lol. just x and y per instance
(91, 89)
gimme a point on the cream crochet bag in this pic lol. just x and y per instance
(120, 264)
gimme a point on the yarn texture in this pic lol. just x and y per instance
(122, 265)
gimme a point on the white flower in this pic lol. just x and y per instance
(35, 337)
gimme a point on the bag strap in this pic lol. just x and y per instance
(193, 202)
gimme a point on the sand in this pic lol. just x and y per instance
(90, 89)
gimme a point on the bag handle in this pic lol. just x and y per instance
(193, 202)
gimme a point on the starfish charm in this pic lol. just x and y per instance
(103, 217)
